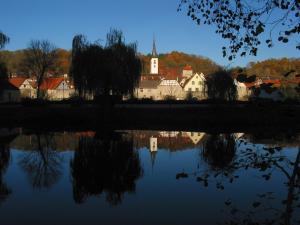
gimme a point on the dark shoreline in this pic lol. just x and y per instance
(205, 117)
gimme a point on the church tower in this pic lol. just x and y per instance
(154, 60)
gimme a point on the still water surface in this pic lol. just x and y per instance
(148, 177)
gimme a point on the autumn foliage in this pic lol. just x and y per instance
(270, 68)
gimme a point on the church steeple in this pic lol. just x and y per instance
(154, 59)
(154, 52)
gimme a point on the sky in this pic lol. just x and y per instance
(59, 20)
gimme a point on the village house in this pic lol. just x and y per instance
(264, 89)
(170, 89)
(195, 85)
(56, 88)
(148, 89)
(25, 85)
(242, 91)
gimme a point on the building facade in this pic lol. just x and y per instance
(26, 86)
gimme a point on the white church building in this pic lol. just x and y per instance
(159, 86)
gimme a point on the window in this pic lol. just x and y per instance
(197, 89)
(141, 89)
(193, 82)
(190, 89)
(199, 82)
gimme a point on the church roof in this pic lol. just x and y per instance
(154, 52)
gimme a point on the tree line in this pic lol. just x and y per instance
(272, 68)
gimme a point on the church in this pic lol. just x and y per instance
(167, 85)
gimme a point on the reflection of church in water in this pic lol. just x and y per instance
(172, 140)
(167, 140)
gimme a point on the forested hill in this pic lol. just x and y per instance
(174, 61)
(177, 60)
(14, 62)
(272, 68)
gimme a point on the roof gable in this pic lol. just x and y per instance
(195, 77)
(17, 81)
(51, 83)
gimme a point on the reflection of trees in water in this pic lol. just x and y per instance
(44, 164)
(266, 161)
(106, 164)
(219, 151)
(4, 162)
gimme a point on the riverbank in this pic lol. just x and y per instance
(153, 116)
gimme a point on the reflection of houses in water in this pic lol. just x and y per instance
(170, 140)
(238, 135)
(194, 136)
(168, 133)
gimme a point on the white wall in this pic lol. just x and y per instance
(154, 66)
(196, 85)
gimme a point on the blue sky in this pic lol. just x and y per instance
(59, 20)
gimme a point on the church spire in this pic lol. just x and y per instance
(154, 52)
(154, 59)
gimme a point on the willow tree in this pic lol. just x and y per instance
(3, 40)
(125, 65)
(3, 69)
(111, 70)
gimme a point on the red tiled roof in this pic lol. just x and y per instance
(51, 83)
(17, 81)
(187, 67)
(275, 82)
(170, 74)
